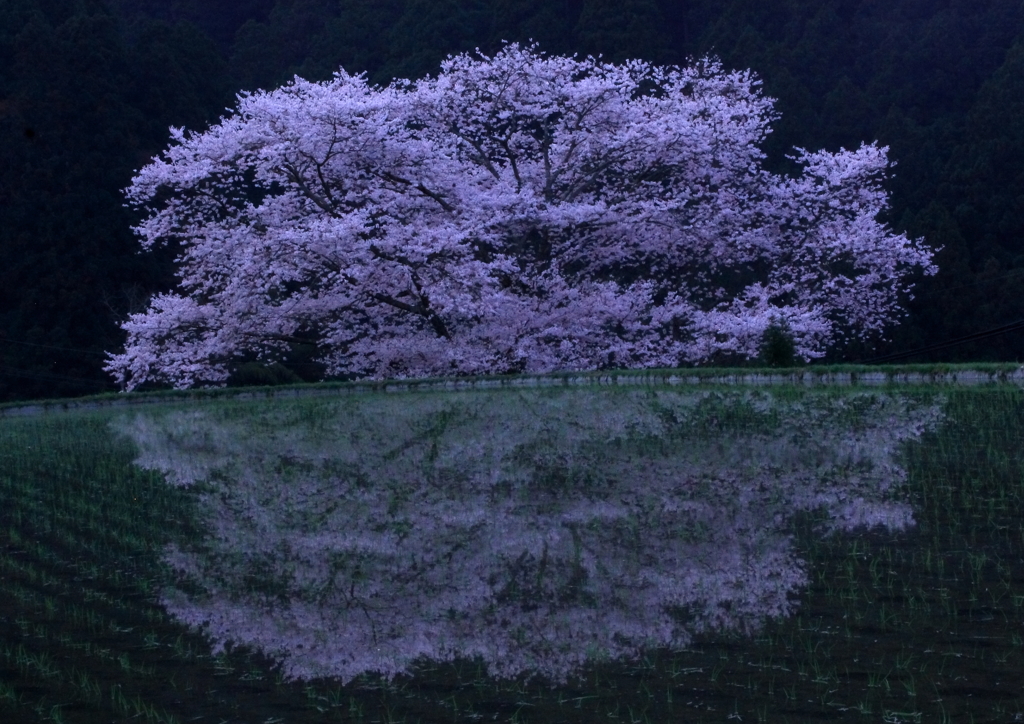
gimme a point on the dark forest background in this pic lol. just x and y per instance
(88, 89)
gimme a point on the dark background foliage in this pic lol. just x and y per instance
(88, 89)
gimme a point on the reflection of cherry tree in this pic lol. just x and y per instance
(536, 530)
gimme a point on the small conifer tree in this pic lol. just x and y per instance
(777, 346)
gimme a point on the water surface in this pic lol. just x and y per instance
(666, 550)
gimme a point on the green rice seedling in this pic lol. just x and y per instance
(9, 695)
(36, 663)
(55, 715)
(120, 704)
(88, 687)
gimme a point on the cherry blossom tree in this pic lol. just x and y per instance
(515, 213)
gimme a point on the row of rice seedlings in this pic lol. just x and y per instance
(40, 585)
(76, 580)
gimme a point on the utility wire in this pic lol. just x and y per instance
(7, 340)
(11, 371)
(995, 331)
(968, 285)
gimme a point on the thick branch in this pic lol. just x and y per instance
(296, 178)
(398, 304)
(481, 156)
(279, 337)
(387, 175)
(418, 309)
(512, 162)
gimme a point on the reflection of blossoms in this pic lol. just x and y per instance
(536, 529)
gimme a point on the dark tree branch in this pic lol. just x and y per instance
(295, 177)
(388, 176)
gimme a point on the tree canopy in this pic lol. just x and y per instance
(516, 212)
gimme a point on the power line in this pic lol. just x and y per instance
(46, 377)
(995, 331)
(8, 340)
(968, 285)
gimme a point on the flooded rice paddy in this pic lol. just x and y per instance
(773, 554)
